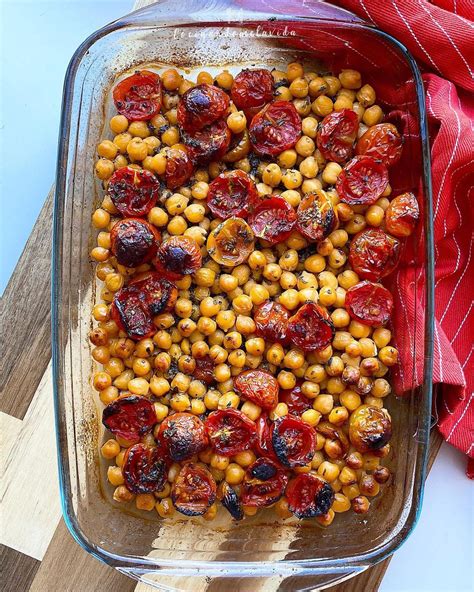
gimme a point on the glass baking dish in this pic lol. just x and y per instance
(193, 554)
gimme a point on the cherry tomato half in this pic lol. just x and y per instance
(369, 303)
(381, 142)
(204, 370)
(230, 500)
(230, 431)
(370, 428)
(144, 469)
(402, 215)
(336, 135)
(275, 128)
(179, 167)
(374, 254)
(178, 256)
(309, 496)
(263, 443)
(259, 387)
(271, 320)
(316, 215)
(295, 400)
(134, 241)
(129, 417)
(264, 483)
(362, 181)
(133, 192)
(131, 311)
(252, 90)
(201, 105)
(311, 328)
(231, 242)
(183, 435)
(209, 143)
(194, 490)
(138, 97)
(273, 220)
(160, 294)
(231, 194)
(293, 440)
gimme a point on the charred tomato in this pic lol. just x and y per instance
(336, 135)
(295, 400)
(316, 216)
(204, 370)
(178, 256)
(231, 194)
(275, 128)
(179, 167)
(369, 303)
(159, 293)
(209, 143)
(129, 418)
(362, 181)
(271, 320)
(381, 142)
(259, 387)
(194, 490)
(370, 428)
(402, 215)
(138, 97)
(133, 192)
(273, 220)
(264, 483)
(144, 469)
(200, 106)
(293, 441)
(231, 242)
(130, 310)
(263, 443)
(134, 241)
(230, 431)
(309, 496)
(252, 90)
(183, 435)
(374, 254)
(311, 328)
(230, 500)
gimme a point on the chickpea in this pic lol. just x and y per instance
(350, 79)
(360, 504)
(388, 355)
(286, 380)
(294, 70)
(372, 115)
(292, 179)
(287, 158)
(322, 106)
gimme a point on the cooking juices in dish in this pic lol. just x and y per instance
(246, 226)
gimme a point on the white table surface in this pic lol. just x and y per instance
(37, 40)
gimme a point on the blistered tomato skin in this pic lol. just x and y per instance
(277, 127)
(231, 194)
(209, 143)
(271, 320)
(362, 181)
(336, 135)
(296, 401)
(311, 328)
(144, 469)
(204, 370)
(402, 215)
(259, 387)
(159, 293)
(130, 310)
(183, 435)
(309, 496)
(263, 444)
(293, 441)
(179, 167)
(230, 500)
(194, 490)
(230, 431)
(382, 142)
(231, 242)
(133, 192)
(178, 256)
(374, 254)
(369, 303)
(370, 428)
(252, 90)
(138, 97)
(273, 220)
(264, 483)
(316, 216)
(134, 241)
(200, 106)
(129, 418)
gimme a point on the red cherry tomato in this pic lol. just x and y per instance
(144, 469)
(271, 320)
(362, 181)
(252, 90)
(273, 220)
(230, 431)
(231, 242)
(201, 105)
(309, 496)
(293, 440)
(138, 97)
(133, 192)
(259, 387)
(264, 483)
(183, 435)
(160, 294)
(134, 241)
(369, 303)
(311, 328)
(316, 216)
(381, 142)
(336, 135)
(295, 400)
(275, 128)
(230, 500)
(204, 370)
(179, 167)
(374, 254)
(209, 143)
(131, 311)
(194, 490)
(130, 418)
(263, 444)
(178, 256)
(231, 194)
(402, 215)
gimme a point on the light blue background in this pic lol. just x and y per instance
(37, 40)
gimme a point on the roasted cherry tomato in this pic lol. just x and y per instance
(144, 469)
(204, 370)
(160, 294)
(369, 303)
(183, 435)
(374, 254)
(263, 444)
(275, 128)
(252, 90)
(370, 428)
(194, 490)
(200, 106)
(309, 496)
(336, 135)
(209, 143)
(239, 147)
(259, 387)
(231, 194)
(230, 500)
(264, 483)
(273, 220)
(381, 142)
(133, 192)
(311, 328)
(179, 167)
(178, 256)
(295, 400)
(271, 320)
(131, 311)
(402, 215)
(293, 440)
(362, 181)
(134, 241)
(138, 97)
(129, 418)
(230, 431)
(316, 216)
(231, 242)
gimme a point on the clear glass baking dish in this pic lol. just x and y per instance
(193, 554)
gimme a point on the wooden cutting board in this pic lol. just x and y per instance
(37, 552)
